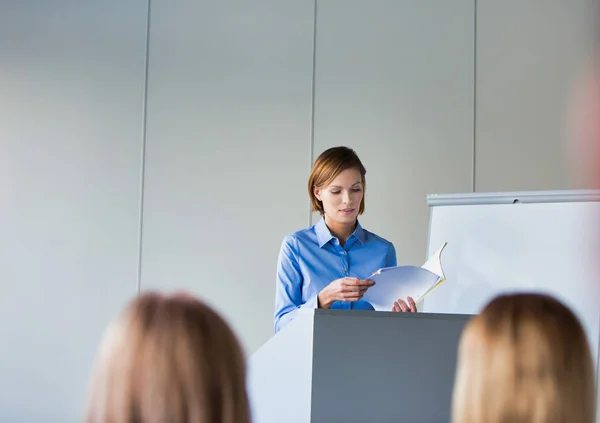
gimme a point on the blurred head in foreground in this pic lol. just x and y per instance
(169, 359)
(584, 117)
(524, 359)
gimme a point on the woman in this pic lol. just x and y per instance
(169, 359)
(524, 359)
(329, 264)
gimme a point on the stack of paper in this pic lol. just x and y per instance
(400, 282)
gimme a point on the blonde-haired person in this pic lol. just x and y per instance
(169, 359)
(329, 264)
(524, 359)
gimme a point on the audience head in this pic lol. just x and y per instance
(169, 359)
(524, 359)
(584, 135)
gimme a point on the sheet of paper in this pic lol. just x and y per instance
(434, 263)
(399, 282)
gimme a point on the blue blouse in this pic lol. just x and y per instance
(312, 258)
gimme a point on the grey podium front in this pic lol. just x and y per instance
(357, 366)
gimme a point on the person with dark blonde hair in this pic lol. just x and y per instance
(524, 359)
(329, 264)
(169, 359)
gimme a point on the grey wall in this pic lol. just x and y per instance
(401, 93)
(227, 149)
(240, 100)
(71, 96)
(528, 54)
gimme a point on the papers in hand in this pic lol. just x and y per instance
(401, 282)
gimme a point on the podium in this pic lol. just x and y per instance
(357, 366)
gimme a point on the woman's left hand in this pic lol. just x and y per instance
(400, 306)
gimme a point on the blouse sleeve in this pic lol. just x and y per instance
(288, 290)
(391, 260)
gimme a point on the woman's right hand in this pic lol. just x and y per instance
(343, 289)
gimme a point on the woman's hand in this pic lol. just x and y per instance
(343, 289)
(401, 307)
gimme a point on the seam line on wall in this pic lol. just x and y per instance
(143, 151)
(473, 175)
(312, 106)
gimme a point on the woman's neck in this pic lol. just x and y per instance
(341, 231)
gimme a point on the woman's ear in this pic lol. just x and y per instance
(317, 193)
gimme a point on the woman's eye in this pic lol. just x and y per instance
(356, 189)
(335, 192)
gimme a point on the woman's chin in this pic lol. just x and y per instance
(347, 218)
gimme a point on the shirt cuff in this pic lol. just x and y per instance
(312, 302)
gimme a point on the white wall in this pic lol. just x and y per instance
(528, 55)
(240, 100)
(227, 150)
(401, 93)
(71, 97)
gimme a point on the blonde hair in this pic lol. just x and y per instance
(169, 359)
(524, 359)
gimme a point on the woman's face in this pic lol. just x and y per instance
(342, 197)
